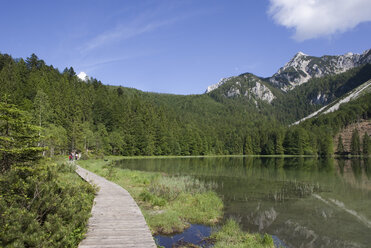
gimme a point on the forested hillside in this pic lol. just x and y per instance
(318, 92)
(295, 104)
(95, 118)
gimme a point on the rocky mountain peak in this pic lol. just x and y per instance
(218, 84)
(303, 67)
(300, 54)
(245, 85)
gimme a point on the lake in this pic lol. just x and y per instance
(304, 202)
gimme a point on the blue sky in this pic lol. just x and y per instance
(181, 46)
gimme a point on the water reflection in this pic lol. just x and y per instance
(305, 202)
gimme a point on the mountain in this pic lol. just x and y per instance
(301, 68)
(311, 96)
(244, 114)
(246, 85)
(304, 85)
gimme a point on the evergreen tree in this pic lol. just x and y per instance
(340, 148)
(18, 138)
(355, 146)
(247, 147)
(366, 144)
(33, 62)
(326, 147)
(278, 144)
(130, 122)
(55, 138)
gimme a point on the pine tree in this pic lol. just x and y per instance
(55, 138)
(340, 148)
(366, 144)
(18, 138)
(355, 146)
(278, 144)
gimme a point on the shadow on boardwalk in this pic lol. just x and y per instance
(116, 218)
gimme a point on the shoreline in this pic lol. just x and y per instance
(171, 215)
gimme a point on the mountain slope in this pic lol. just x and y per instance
(317, 93)
(365, 88)
(302, 68)
(247, 86)
(242, 115)
(287, 90)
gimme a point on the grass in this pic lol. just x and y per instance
(168, 203)
(231, 235)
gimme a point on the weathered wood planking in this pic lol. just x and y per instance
(116, 219)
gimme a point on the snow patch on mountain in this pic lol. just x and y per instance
(83, 76)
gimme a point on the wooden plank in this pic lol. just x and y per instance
(116, 219)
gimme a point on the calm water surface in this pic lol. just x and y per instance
(305, 202)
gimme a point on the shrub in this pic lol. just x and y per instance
(46, 205)
(152, 199)
(231, 235)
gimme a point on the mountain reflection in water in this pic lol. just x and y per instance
(305, 202)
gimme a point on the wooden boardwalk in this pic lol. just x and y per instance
(116, 218)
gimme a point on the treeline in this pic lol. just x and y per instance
(94, 118)
(90, 116)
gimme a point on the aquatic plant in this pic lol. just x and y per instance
(231, 235)
(294, 189)
(171, 187)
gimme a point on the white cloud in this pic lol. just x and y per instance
(318, 18)
(122, 32)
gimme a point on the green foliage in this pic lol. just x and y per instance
(171, 187)
(355, 144)
(297, 142)
(200, 208)
(302, 100)
(151, 198)
(165, 222)
(55, 138)
(91, 117)
(46, 206)
(231, 235)
(340, 148)
(100, 120)
(18, 138)
(169, 204)
(366, 144)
